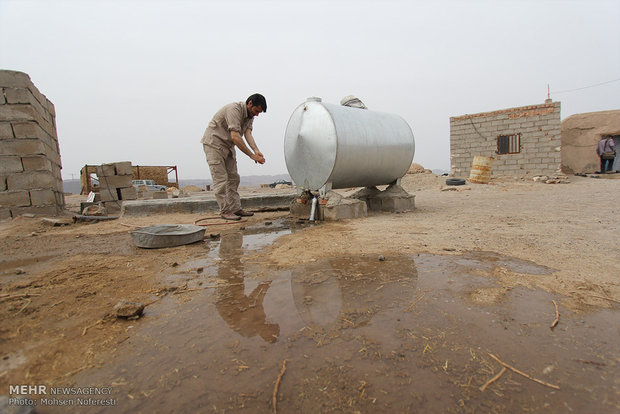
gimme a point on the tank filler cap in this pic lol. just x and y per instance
(314, 99)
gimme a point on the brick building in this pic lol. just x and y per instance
(522, 141)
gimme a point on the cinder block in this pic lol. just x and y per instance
(123, 168)
(14, 198)
(29, 96)
(18, 95)
(6, 132)
(13, 78)
(30, 181)
(299, 209)
(19, 112)
(28, 130)
(60, 198)
(22, 147)
(343, 211)
(43, 197)
(5, 214)
(113, 207)
(37, 163)
(105, 170)
(53, 210)
(10, 164)
(129, 193)
(108, 194)
(27, 113)
(115, 181)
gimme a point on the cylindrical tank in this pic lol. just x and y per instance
(338, 146)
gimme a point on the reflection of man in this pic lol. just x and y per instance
(225, 131)
(244, 314)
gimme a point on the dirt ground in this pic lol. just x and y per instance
(58, 285)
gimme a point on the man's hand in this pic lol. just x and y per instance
(258, 157)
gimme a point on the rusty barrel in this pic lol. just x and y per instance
(481, 169)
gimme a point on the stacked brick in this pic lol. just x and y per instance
(540, 129)
(115, 184)
(30, 179)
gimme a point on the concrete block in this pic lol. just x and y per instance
(20, 112)
(36, 163)
(14, 198)
(18, 96)
(113, 207)
(340, 208)
(30, 181)
(13, 78)
(6, 132)
(114, 181)
(396, 199)
(349, 209)
(24, 113)
(52, 210)
(105, 170)
(22, 147)
(129, 193)
(299, 209)
(108, 194)
(123, 168)
(42, 197)
(5, 214)
(10, 164)
(60, 198)
(50, 107)
(30, 130)
(160, 195)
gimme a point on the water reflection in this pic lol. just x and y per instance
(245, 314)
(352, 288)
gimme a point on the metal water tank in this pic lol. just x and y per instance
(332, 146)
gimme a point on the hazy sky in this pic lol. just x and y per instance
(140, 80)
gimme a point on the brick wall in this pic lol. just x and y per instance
(30, 180)
(540, 129)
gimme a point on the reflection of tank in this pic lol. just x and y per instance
(318, 298)
(336, 146)
(325, 291)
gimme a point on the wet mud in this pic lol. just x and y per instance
(410, 333)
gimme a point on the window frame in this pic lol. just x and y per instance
(511, 146)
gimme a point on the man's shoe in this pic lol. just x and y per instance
(230, 216)
(244, 213)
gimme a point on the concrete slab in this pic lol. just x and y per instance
(202, 204)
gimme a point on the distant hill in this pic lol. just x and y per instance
(73, 186)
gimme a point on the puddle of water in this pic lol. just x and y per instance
(408, 334)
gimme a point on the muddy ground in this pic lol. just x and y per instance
(391, 313)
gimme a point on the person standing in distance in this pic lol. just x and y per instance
(225, 131)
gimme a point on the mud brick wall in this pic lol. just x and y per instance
(115, 184)
(30, 179)
(159, 174)
(540, 129)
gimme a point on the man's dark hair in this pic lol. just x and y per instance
(257, 99)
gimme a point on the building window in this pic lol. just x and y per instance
(509, 144)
